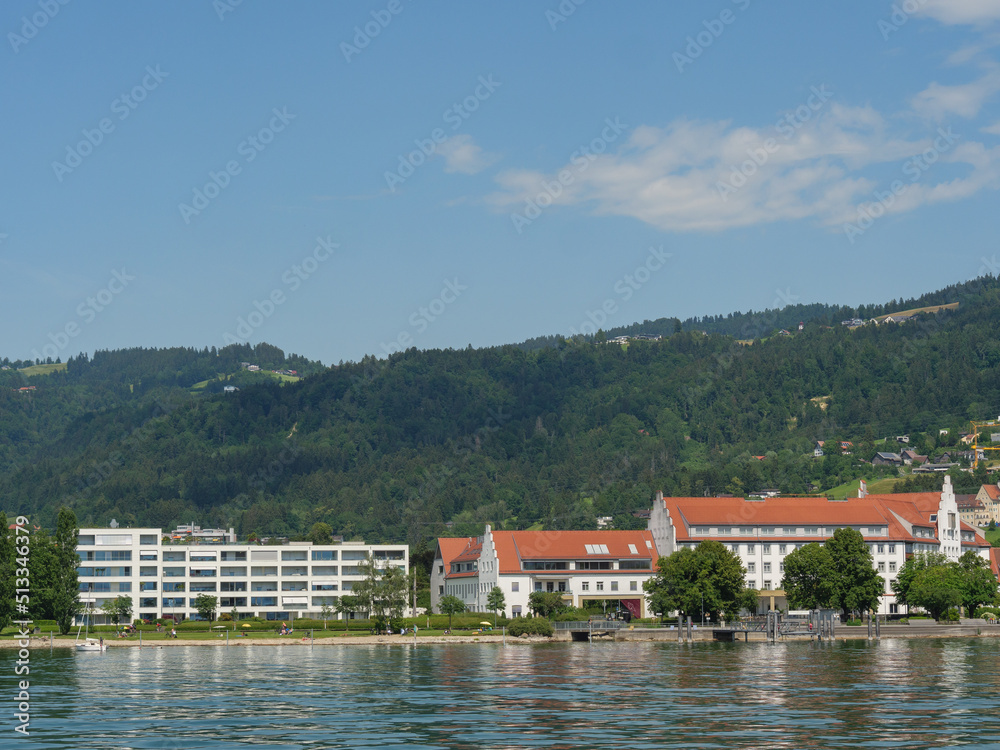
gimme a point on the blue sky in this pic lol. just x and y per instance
(343, 179)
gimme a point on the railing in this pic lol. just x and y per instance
(592, 625)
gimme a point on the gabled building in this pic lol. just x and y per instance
(763, 532)
(578, 565)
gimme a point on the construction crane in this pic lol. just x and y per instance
(974, 434)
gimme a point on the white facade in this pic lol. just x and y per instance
(274, 582)
(579, 565)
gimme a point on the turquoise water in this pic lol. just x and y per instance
(896, 693)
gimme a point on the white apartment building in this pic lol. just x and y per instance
(274, 582)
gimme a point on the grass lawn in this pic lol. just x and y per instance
(993, 537)
(42, 369)
(875, 487)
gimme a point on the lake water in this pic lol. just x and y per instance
(893, 693)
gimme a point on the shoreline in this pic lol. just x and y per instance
(636, 636)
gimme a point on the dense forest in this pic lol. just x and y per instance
(427, 443)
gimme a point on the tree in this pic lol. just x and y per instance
(809, 577)
(708, 578)
(326, 611)
(119, 609)
(937, 589)
(451, 605)
(346, 606)
(978, 584)
(546, 603)
(320, 533)
(206, 604)
(495, 600)
(65, 587)
(382, 591)
(908, 573)
(856, 585)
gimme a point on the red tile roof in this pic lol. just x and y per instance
(451, 547)
(992, 491)
(514, 546)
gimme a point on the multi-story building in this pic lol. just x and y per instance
(764, 532)
(275, 582)
(579, 565)
(613, 565)
(989, 496)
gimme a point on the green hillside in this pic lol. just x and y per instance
(434, 442)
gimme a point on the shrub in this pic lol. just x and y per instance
(854, 622)
(530, 626)
(985, 612)
(950, 616)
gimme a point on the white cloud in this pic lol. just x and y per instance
(974, 12)
(461, 154)
(687, 176)
(965, 100)
(993, 129)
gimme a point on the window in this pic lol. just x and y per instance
(597, 564)
(633, 585)
(767, 585)
(597, 549)
(538, 585)
(751, 567)
(614, 585)
(263, 601)
(147, 602)
(329, 554)
(546, 565)
(147, 586)
(735, 548)
(635, 565)
(811, 530)
(600, 585)
(881, 567)
(515, 586)
(562, 586)
(751, 549)
(892, 567)
(782, 549)
(781, 567)
(892, 549)
(746, 531)
(767, 567)
(881, 549)
(585, 586)
(233, 556)
(767, 549)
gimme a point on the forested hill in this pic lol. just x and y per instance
(751, 325)
(432, 442)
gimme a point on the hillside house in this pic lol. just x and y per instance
(887, 459)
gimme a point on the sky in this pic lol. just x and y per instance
(356, 178)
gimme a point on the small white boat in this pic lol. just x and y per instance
(89, 644)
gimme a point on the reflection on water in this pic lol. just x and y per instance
(903, 694)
